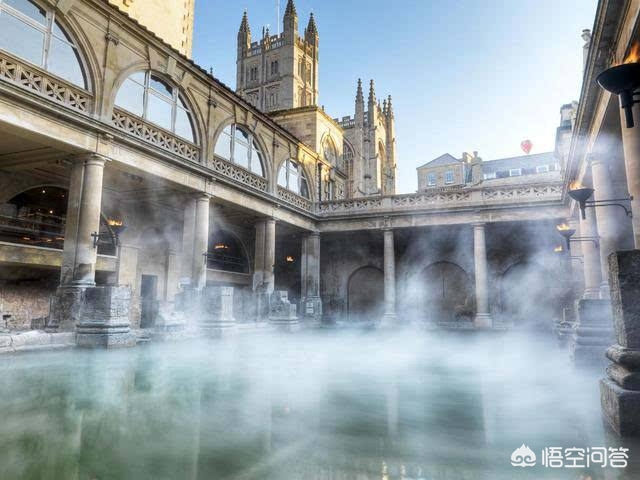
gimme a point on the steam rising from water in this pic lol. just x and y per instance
(328, 405)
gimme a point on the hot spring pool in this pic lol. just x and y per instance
(325, 405)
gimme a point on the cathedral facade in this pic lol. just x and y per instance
(279, 74)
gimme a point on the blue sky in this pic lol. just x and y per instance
(464, 74)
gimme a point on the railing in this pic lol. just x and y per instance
(446, 198)
(155, 135)
(239, 174)
(38, 81)
(32, 231)
(294, 199)
(227, 263)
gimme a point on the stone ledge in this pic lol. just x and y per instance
(36, 340)
(620, 407)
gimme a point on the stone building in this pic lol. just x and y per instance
(278, 74)
(131, 180)
(154, 14)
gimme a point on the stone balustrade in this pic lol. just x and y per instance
(474, 197)
(42, 83)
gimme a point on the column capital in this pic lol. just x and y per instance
(202, 197)
(479, 224)
(597, 160)
(90, 158)
(314, 233)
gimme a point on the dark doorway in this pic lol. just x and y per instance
(447, 292)
(366, 294)
(148, 297)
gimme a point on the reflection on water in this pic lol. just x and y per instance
(328, 406)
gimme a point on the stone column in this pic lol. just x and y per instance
(591, 256)
(269, 254)
(620, 392)
(607, 218)
(631, 145)
(188, 240)
(83, 219)
(201, 242)
(311, 303)
(263, 277)
(389, 277)
(483, 316)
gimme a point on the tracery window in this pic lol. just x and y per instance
(292, 177)
(238, 145)
(31, 32)
(146, 95)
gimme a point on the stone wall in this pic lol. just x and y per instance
(25, 303)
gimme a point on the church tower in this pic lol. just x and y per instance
(279, 72)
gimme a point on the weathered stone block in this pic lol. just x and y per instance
(105, 318)
(621, 408)
(593, 333)
(216, 313)
(620, 393)
(624, 280)
(66, 309)
(282, 314)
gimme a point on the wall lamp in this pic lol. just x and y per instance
(568, 232)
(582, 195)
(623, 80)
(116, 227)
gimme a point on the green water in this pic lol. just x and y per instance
(331, 405)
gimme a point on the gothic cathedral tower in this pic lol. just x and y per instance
(279, 72)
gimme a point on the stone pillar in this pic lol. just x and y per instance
(631, 145)
(188, 241)
(83, 219)
(216, 317)
(607, 218)
(201, 242)
(269, 254)
(620, 392)
(483, 316)
(389, 277)
(311, 302)
(263, 277)
(591, 256)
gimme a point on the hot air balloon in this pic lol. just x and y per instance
(526, 146)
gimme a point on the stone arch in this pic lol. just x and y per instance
(447, 292)
(525, 291)
(365, 294)
(37, 215)
(227, 251)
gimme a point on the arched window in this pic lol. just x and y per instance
(292, 177)
(238, 146)
(330, 152)
(31, 32)
(148, 96)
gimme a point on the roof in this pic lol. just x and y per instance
(522, 161)
(446, 159)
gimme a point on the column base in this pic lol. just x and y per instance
(65, 310)
(620, 408)
(282, 314)
(483, 320)
(216, 312)
(593, 333)
(98, 335)
(105, 318)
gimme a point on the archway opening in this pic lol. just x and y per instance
(448, 293)
(366, 294)
(37, 217)
(226, 253)
(526, 295)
